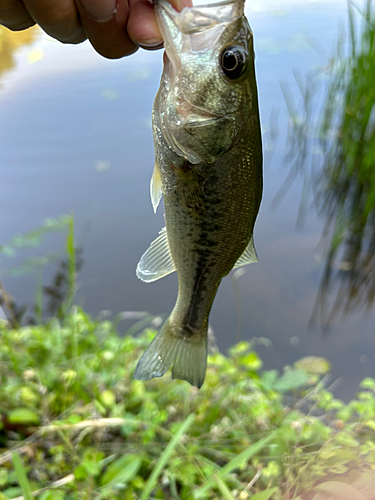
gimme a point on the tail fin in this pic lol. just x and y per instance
(186, 352)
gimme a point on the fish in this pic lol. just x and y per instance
(208, 169)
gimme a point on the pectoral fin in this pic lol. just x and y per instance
(155, 187)
(157, 261)
(249, 256)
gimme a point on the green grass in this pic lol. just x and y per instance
(22, 477)
(75, 425)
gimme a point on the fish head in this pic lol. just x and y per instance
(206, 89)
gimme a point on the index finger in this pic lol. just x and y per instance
(142, 26)
(105, 26)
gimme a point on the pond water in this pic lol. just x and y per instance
(75, 136)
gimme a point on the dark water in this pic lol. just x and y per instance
(75, 136)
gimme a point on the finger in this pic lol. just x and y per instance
(57, 18)
(142, 25)
(14, 15)
(105, 25)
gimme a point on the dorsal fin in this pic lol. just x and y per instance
(157, 261)
(155, 187)
(249, 256)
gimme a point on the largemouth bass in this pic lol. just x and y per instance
(208, 169)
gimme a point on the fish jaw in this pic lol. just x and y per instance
(181, 121)
(191, 20)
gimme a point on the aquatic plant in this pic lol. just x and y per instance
(347, 180)
(334, 153)
(61, 292)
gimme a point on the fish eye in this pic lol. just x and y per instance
(233, 61)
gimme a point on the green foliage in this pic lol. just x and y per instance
(123, 470)
(72, 411)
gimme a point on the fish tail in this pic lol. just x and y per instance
(176, 346)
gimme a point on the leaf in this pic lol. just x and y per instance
(108, 398)
(239, 348)
(291, 379)
(3, 477)
(264, 495)
(23, 416)
(341, 491)
(122, 470)
(225, 491)
(251, 361)
(80, 472)
(52, 495)
(337, 456)
(165, 456)
(22, 477)
(368, 383)
(269, 378)
(313, 365)
(12, 492)
(344, 438)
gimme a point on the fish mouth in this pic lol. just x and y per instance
(191, 113)
(201, 17)
(205, 21)
(196, 133)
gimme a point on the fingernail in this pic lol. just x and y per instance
(152, 45)
(99, 10)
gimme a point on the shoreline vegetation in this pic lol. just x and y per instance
(75, 425)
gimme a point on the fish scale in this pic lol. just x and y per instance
(208, 169)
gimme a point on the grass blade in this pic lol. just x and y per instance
(236, 462)
(71, 251)
(225, 491)
(22, 477)
(165, 456)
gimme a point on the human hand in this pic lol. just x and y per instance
(115, 28)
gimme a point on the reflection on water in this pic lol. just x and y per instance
(10, 42)
(57, 293)
(342, 173)
(51, 297)
(15, 313)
